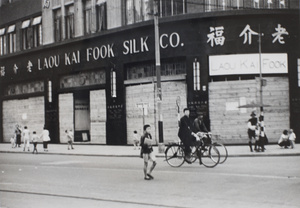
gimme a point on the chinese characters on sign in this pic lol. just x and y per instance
(215, 37)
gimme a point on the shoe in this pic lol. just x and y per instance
(150, 176)
(147, 178)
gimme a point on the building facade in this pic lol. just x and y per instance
(89, 65)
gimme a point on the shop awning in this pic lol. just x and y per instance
(2, 31)
(11, 29)
(25, 24)
(37, 20)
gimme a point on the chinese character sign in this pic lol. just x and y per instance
(216, 36)
(278, 36)
(248, 33)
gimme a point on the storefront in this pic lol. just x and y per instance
(104, 87)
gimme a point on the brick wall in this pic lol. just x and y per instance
(98, 116)
(230, 122)
(66, 115)
(26, 112)
(145, 93)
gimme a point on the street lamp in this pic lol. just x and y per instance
(158, 73)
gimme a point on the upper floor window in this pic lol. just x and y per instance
(57, 25)
(26, 35)
(101, 16)
(2, 42)
(69, 18)
(171, 7)
(37, 31)
(12, 39)
(138, 10)
(87, 16)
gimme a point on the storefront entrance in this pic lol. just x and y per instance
(82, 116)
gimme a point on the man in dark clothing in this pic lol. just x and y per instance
(252, 125)
(199, 124)
(186, 133)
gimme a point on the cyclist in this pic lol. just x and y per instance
(186, 134)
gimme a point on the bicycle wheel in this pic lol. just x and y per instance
(174, 155)
(223, 152)
(210, 156)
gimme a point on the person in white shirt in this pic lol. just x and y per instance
(292, 138)
(26, 137)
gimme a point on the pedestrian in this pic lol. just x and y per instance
(186, 134)
(148, 154)
(252, 128)
(18, 133)
(292, 138)
(26, 137)
(70, 137)
(13, 141)
(284, 139)
(45, 138)
(136, 141)
(34, 142)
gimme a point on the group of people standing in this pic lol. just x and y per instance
(26, 135)
(257, 135)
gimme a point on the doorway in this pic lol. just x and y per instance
(82, 116)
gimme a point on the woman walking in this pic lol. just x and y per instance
(46, 138)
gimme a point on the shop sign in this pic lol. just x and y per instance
(240, 64)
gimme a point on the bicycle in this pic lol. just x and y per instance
(207, 154)
(221, 147)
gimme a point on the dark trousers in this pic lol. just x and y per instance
(45, 145)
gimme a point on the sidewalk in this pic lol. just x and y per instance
(129, 151)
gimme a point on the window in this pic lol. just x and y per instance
(69, 22)
(57, 25)
(196, 75)
(12, 39)
(37, 31)
(172, 7)
(210, 5)
(25, 35)
(142, 70)
(87, 16)
(101, 16)
(138, 10)
(298, 72)
(2, 42)
(113, 83)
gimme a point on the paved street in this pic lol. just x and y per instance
(47, 180)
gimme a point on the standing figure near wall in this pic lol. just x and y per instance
(252, 124)
(46, 138)
(18, 133)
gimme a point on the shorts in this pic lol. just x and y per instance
(149, 156)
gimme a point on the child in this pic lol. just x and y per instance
(292, 138)
(34, 142)
(69, 135)
(136, 141)
(13, 141)
(26, 136)
(284, 139)
(146, 144)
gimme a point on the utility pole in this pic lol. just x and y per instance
(261, 84)
(158, 73)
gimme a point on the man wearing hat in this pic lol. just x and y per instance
(252, 125)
